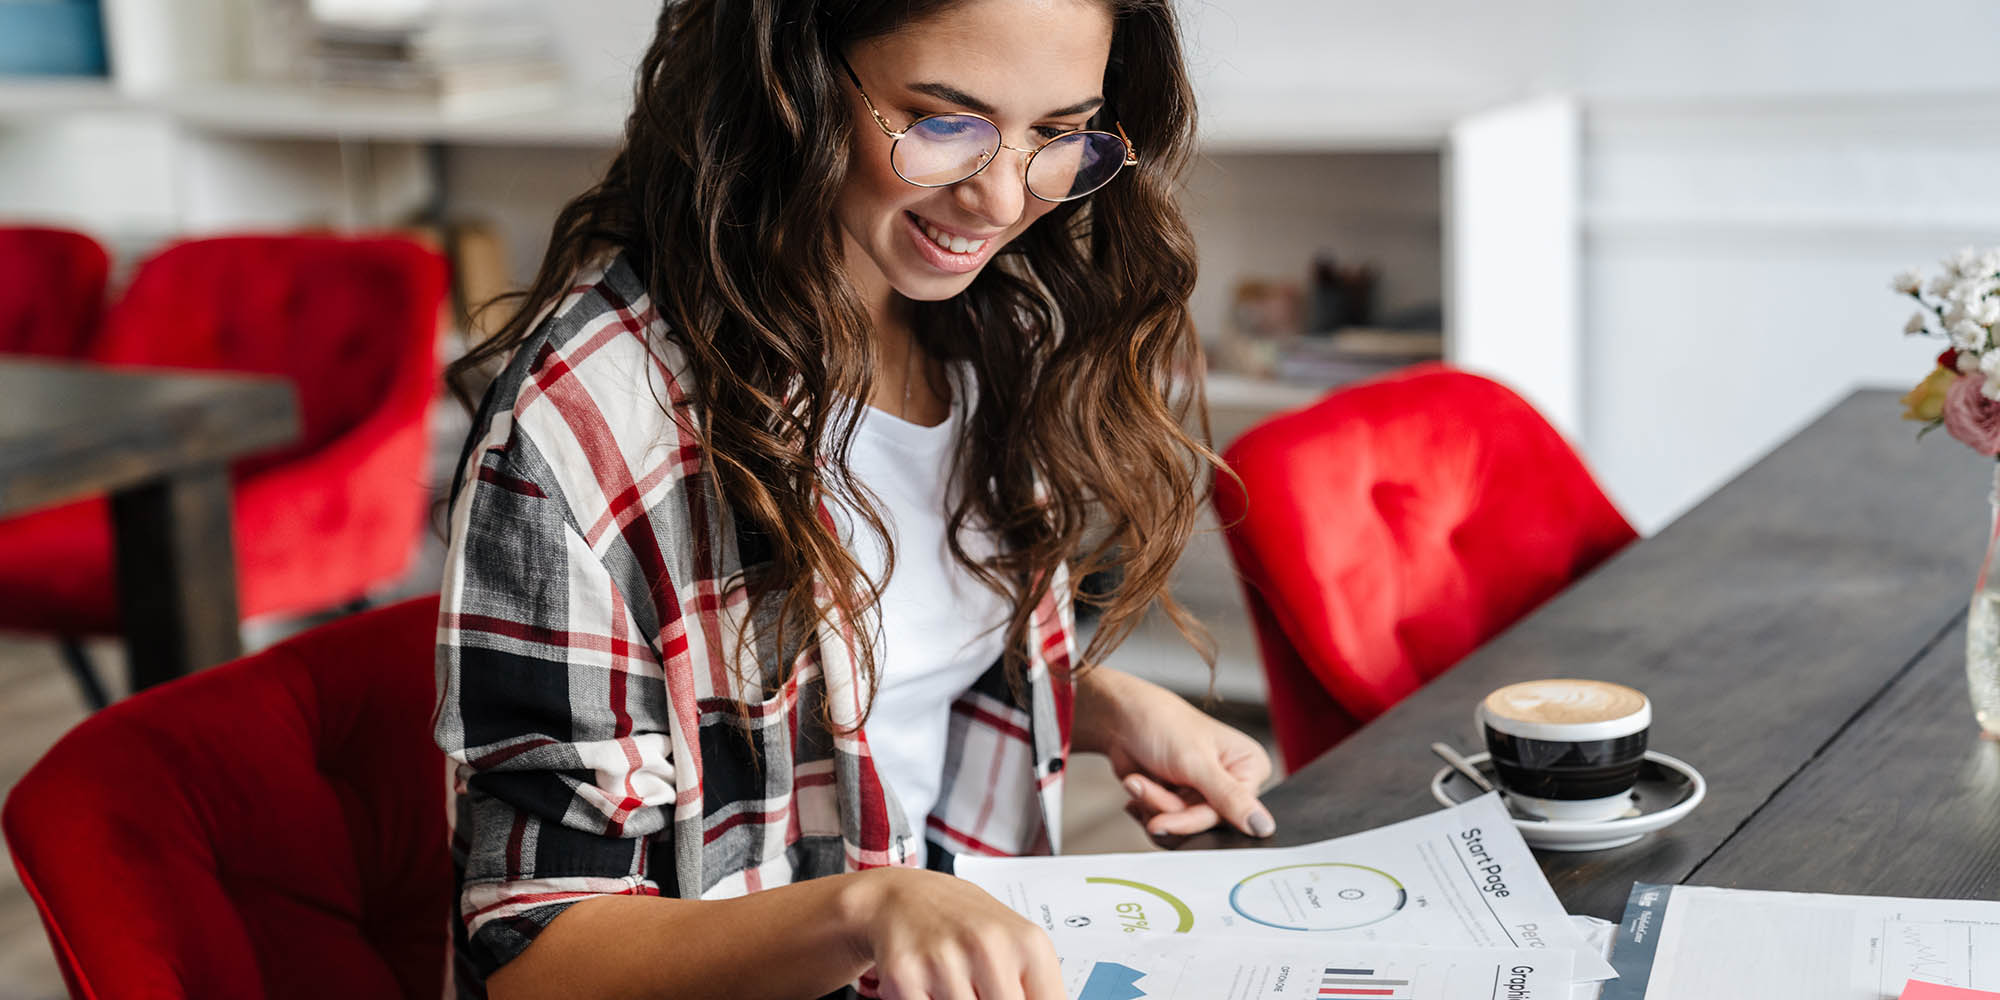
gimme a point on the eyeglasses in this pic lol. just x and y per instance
(942, 150)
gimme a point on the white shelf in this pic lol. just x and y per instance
(305, 114)
(299, 113)
(29, 97)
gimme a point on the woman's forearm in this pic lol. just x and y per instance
(792, 942)
(1098, 704)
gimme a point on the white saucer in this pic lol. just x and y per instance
(1668, 789)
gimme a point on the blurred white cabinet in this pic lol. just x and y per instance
(1514, 246)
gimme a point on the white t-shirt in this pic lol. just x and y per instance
(941, 627)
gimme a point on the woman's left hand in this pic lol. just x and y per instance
(1184, 770)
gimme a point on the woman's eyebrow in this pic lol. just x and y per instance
(947, 92)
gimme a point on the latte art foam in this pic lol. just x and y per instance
(1563, 702)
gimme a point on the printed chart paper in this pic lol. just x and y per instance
(1160, 967)
(1460, 878)
(1697, 943)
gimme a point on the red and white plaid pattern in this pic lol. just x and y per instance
(600, 740)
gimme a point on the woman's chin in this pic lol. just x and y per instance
(934, 288)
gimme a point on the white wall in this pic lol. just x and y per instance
(601, 42)
(103, 172)
(1622, 48)
(1736, 268)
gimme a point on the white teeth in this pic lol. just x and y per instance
(953, 244)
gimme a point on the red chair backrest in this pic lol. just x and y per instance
(1393, 527)
(273, 827)
(349, 321)
(51, 291)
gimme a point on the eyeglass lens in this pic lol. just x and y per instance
(1075, 165)
(944, 150)
(947, 149)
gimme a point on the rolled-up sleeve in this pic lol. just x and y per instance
(552, 706)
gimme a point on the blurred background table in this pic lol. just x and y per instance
(1801, 634)
(160, 443)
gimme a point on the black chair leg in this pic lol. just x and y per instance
(84, 672)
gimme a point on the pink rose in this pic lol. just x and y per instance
(1972, 418)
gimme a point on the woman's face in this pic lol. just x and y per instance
(1017, 62)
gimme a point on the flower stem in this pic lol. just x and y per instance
(1992, 539)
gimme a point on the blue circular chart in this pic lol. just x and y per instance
(1328, 896)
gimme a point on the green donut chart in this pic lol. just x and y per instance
(1323, 896)
(1184, 917)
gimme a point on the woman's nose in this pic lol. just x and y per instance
(998, 194)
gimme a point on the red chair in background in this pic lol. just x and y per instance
(51, 291)
(51, 302)
(353, 324)
(1391, 528)
(274, 827)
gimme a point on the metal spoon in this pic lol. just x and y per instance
(1462, 766)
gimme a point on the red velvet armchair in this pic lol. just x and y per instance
(51, 291)
(353, 323)
(1390, 529)
(273, 827)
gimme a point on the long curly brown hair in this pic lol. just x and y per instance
(1087, 365)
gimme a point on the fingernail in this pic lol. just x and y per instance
(1133, 788)
(1261, 824)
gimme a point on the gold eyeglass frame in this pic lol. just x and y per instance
(1131, 151)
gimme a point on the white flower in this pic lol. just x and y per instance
(1955, 314)
(1941, 285)
(1968, 362)
(1969, 336)
(1919, 322)
(1964, 263)
(1971, 290)
(1985, 312)
(1989, 262)
(1907, 282)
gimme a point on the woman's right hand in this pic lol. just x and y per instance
(935, 937)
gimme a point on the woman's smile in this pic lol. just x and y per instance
(949, 250)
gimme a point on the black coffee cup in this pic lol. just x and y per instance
(1567, 749)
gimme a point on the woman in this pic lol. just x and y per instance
(713, 626)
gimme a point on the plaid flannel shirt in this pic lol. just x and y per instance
(600, 740)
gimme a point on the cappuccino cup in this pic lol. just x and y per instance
(1567, 749)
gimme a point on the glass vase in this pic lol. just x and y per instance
(1982, 628)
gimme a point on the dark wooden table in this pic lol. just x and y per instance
(1802, 636)
(160, 443)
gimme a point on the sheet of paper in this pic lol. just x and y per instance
(1697, 943)
(1460, 877)
(1097, 966)
(1598, 934)
(1917, 989)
